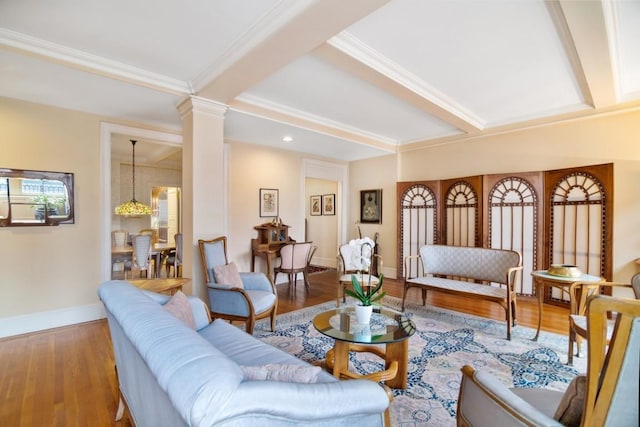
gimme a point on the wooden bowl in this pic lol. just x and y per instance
(564, 270)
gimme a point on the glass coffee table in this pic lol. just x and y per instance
(386, 327)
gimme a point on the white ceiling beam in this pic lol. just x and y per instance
(586, 24)
(345, 52)
(309, 28)
(254, 107)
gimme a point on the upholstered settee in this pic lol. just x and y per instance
(171, 374)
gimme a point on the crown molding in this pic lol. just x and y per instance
(350, 45)
(202, 105)
(84, 61)
(260, 107)
(542, 122)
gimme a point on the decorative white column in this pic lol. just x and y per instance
(204, 202)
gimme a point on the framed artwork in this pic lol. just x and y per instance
(315, 209)
(371, 206)
(329, 204)
(268, 202)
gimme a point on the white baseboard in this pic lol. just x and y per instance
(34, 322)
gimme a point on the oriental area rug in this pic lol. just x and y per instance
(444, 341)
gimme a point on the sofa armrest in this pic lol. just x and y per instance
(308, 402)
(483, 400)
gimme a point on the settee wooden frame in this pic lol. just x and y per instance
(468, 272)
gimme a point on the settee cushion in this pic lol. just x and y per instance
(569, 411)
(280, 372)
(228, 275)
(179, 306)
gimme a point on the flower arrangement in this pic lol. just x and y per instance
(361, 256)
(366, 296)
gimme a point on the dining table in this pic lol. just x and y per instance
(157, 251)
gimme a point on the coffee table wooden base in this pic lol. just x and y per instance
(395, 357)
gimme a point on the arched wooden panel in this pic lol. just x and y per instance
(580, 220)
(513, 220)
(462, 211)
(417, 220)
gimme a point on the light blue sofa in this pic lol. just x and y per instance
(172, 375)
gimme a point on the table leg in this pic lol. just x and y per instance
(340, 358)
(398, 352)
(539, 290)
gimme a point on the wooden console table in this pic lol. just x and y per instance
(162, 286)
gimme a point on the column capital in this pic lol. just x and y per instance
(202, 105)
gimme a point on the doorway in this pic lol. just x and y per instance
(166, 215)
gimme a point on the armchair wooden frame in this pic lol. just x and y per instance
(612, 378)
(249, 320)
(579, 293)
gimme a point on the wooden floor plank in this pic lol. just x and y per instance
(66, 376)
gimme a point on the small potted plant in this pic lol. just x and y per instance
(367, 298)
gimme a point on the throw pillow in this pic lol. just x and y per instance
(179, 306)
(287, 373)
(569, 411)
(228, 275)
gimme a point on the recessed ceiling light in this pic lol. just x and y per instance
(287, 139)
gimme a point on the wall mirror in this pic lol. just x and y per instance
(32, 198)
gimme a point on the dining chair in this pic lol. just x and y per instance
(357, 258)
(607, 395)
(579, 293)
(294, 259)
(175, 257)
(245, 297)
(151, 232)
(119, 239)
(141, 255)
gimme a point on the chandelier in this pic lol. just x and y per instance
(133, 207)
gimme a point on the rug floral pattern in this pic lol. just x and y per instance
(444, 342)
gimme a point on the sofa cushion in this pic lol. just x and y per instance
(228, 275)
(569, 411)
(279, 372)
(179, 306)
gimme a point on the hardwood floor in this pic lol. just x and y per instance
(66, 377)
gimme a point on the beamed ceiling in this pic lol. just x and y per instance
(346, 80)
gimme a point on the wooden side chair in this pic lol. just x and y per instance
(607, 395)
(579, 293)
(294, 259)
(245, 297)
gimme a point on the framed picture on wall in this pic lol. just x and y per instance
(329, 204)
(315, 209)
(371, 206)
(268, 202)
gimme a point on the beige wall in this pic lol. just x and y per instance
(251, 168)
(323, 229)
(379, 172)
(51, 268)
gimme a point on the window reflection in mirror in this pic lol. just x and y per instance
(35, 197)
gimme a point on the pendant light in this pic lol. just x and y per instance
(133, 207)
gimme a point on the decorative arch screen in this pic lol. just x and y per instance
(461, 215)
(418, 215)
(513, 220)
(560, 216)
